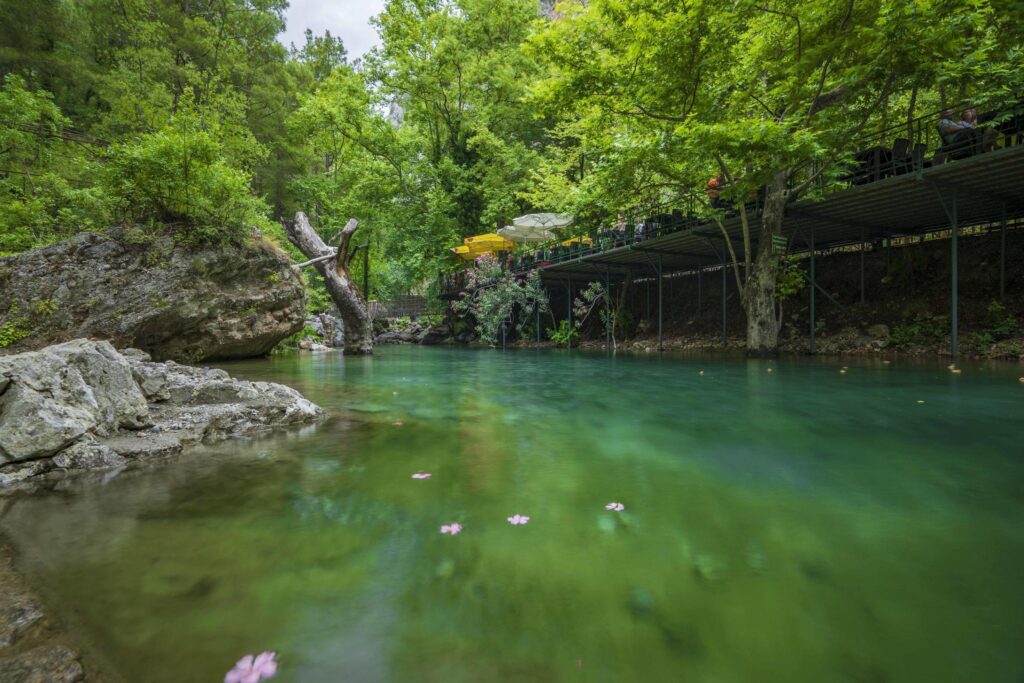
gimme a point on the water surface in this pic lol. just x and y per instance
(800, 525)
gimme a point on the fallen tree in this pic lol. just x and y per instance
(332, 264)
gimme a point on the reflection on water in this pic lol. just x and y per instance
(801, 525)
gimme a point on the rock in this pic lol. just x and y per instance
(88, 455)
(60, 393)
(435, 334)
(82, 405)
(45, 664)
(879, 331)
(154, 294)
(329, 328)
(30, 650)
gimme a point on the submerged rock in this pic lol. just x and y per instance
(30, 651)
(170, 300)
(83, 405)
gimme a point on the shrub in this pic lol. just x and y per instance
(180, 175)
(565, 335)
(494, 296)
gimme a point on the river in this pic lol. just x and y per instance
(789, 520)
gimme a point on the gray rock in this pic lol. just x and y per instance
(88, 455)
(879, 331)
(18, 472)
(154, 294)
(45, 664)
(329, 327)
(60, 393)
(33, 425)
(82, 405)
(136, 354)
(435, 334)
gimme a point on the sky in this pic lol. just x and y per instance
(345, 19)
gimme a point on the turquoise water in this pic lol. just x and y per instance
(799, 525)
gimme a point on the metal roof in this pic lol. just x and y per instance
(985, 186)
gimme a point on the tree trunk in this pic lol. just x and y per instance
(759, 298)
(333, 266)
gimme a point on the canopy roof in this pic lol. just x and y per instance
(546, 221)
(527, 234)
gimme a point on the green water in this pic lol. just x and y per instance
(800, 525)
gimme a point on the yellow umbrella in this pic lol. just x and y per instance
(488, 242)
(464, 252)
(578, 240)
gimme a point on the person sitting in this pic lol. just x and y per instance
(959, 138)
(987, 136)
(715, 186)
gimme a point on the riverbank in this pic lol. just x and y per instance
(33, 647)
(83, 405)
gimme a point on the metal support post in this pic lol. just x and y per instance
(1002, 253)
(700, 291)
(862, 246)
(725, 285)
(568, 289)
(608, 307)
(661, 307)
(954, 305)
(814, 284)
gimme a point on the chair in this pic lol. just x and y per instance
(917, 159)
(900, 159)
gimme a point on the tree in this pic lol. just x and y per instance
(332, 264)
(771, 95)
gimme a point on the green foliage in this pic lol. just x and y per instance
(923, 329)
(790, 279)
(14, 328)
(43, 307)
(1000, 324)
(565, 335)
(180, 174)
(292, 341)
(496, 297)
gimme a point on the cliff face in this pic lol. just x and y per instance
(175, 302)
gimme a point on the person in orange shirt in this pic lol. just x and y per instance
(714, 189)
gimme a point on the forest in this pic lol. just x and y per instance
(189, 116)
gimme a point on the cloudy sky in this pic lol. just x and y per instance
(346, 19)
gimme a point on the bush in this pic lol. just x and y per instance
(179, 174)
(565, 335)
(494, 296)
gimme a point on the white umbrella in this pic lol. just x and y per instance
(545, 221)
(515, 233)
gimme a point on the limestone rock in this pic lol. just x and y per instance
(45, 664)
(329, 327)
(878, 331)
(59, 394)
(82, 405)
(154, 294)
(88, 455)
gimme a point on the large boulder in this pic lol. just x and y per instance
(155, 294)
(84, 405)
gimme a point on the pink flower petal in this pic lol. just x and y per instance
(265, 664)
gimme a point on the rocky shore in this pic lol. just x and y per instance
(83, 405)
